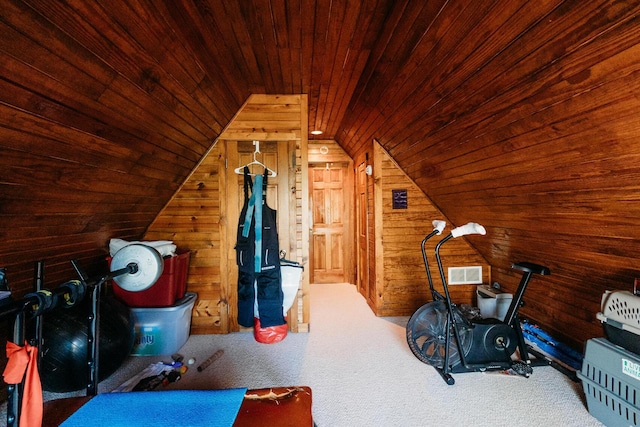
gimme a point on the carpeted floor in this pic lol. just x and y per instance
(362, 373)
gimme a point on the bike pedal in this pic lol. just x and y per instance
(522, 368)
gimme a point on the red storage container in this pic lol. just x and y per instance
(171, 285)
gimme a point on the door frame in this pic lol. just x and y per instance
(230, 211)
(349, 233)
(321, 152)
(362, 223)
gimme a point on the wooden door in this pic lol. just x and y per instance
(275, 156)
(362, 215)
(330, 218)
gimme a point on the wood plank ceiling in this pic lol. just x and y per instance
(521, 115)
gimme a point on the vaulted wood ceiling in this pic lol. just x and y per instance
(522, 115)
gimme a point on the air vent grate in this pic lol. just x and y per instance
(465, 275)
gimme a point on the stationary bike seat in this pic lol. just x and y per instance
(530, 267)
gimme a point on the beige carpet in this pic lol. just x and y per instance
(362, 373)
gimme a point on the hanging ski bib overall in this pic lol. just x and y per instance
(257, 256)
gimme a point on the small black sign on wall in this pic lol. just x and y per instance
(399, 198)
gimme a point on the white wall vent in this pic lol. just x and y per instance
(465, 275)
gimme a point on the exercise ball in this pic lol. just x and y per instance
(64, 366)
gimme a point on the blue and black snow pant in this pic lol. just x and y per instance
(257, 255)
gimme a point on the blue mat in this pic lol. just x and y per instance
(185, 408)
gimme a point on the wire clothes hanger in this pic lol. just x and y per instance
(240, 170)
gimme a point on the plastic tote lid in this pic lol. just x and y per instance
(491, 292)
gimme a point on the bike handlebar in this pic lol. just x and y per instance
(439, 226)
(469, 228)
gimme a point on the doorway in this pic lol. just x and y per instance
(275, 155)
(362, 213)
(331, 212)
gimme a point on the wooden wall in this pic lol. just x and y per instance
(333, 154)
(401, 284)
(107, 107)
(522, 116)
(192, 221)
(96, 135)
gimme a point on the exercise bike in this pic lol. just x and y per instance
(441, 335)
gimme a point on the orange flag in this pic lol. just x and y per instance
(23, 363)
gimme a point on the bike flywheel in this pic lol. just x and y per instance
(426, 335)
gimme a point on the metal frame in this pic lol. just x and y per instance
(35, 304)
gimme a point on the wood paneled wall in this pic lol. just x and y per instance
(192, 221)
(333, 154)
(98, 129)
(522, 116)
(108, 107)
(401, 284)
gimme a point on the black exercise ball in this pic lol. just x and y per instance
(64, 366)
